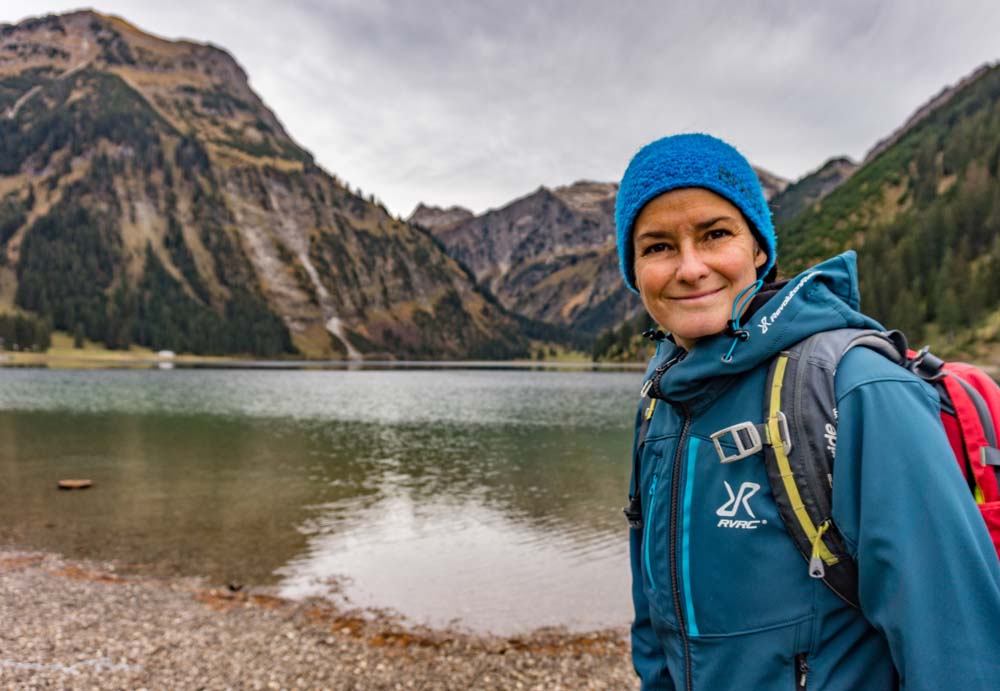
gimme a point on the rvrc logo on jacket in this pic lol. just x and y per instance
(731, 508)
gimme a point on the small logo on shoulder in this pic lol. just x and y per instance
(731, 508)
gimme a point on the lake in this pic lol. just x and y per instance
(490, 500)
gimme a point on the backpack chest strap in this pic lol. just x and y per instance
(749, 438)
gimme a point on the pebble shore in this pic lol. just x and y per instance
(81, 625)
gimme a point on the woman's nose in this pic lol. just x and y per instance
(692, 267)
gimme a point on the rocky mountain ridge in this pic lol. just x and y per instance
(148, 195)
(435, 218)
(549, 256)
(773, 184)
(811, 188)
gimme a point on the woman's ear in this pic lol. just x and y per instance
(759, 256)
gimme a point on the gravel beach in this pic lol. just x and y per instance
(80, 625)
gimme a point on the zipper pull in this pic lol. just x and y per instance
(817, 569)
(803, 669)
(658, 372)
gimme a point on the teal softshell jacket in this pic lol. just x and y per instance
(723, 600)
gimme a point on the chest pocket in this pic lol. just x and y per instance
(745, 572)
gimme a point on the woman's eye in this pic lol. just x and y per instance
(655, 247)
(718, 233)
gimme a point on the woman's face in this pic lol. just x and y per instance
(694, 253)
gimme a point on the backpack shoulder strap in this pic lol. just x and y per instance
(800, 396)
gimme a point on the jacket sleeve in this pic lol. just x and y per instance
(929, 578)
(647, 654)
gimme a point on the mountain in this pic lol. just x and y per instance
(923, 111)
(773, 184)
(810, 188)
(148, 195)
(549, 256)
(924, 213)
(435, 218)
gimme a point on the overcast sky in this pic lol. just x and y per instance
(476, 102)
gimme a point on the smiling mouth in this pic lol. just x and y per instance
(696, 296)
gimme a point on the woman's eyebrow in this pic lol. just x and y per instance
(658, 232)
(712, 221)
(655, 232)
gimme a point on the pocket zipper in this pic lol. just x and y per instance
(648, 531)
(801, 671)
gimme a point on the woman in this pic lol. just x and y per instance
(729, 604)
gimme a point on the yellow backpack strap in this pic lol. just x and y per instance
(800, 393)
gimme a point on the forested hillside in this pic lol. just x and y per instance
(924, 215)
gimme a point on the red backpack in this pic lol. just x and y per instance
(970, 411)
(799, 435)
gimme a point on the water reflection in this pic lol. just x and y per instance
(462, 562)
(492, 498)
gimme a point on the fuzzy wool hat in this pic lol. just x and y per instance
(690, 160)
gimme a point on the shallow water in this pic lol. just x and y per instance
(487, 499)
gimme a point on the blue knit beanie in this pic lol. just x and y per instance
(690, 160)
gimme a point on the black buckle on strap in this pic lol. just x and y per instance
(926, 365)
(633, 513)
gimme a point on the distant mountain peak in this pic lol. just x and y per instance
(435, 218)
(772, 184)
(198, 88)
(811, 188)
(587, 196)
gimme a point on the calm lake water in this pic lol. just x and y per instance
(487, 499)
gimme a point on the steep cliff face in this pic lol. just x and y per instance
(148, 195)
(549, 256)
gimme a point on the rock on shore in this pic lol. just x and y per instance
(80, 625)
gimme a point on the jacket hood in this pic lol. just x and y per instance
(821, 298)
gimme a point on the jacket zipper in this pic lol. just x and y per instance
(674, 571)
(647, 532)
(801, 671)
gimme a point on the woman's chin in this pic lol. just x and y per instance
(689, 335)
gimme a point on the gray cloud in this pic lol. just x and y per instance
(475, 103)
